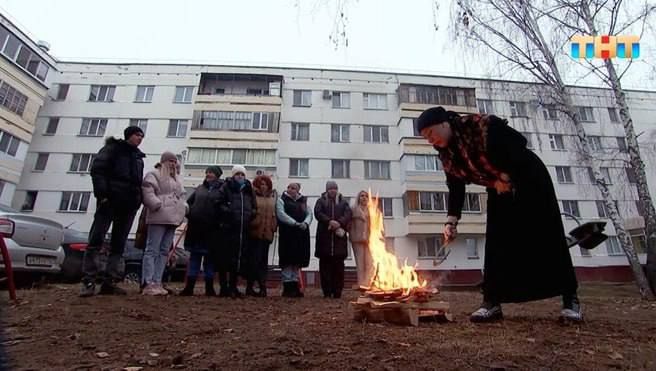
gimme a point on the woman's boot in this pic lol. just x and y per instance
(209, 288)
(189, 287)
(249, 289)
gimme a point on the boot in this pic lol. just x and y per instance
(209, 287)
(571, 309)
(249, 289)
(287, 290)
(88, 289)
(189, 287)
(263, 289)
(110, 288)
(488, 312)
(224, 290)
(234, 291)
(297, 290)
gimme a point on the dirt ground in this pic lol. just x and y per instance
(54, 329)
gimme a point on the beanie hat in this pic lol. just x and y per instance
(131, 130)
(238, 169)
(214, 170)
(331, 185)
(166, 156)
(434, 116)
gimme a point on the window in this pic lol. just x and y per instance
(20, 53)
(303, 98)
(41, 161)
(62, 91)
(585, 113)
(256, 92)
(612, 113)
(437, 95)
(472, 203)
(472, 248)
(339, 133)
(433, 201)
(631, 175)
(428, 247)
(2, 186)
(102, 93)
(621, 145)
(564, 174)
(485, 106)
(298, 167)
(602, 210)
(9, 143)
(81, 162)
(261, 120)
(177, 129)
(30, 200)
(571, 207)
(144, 94)
(228, 156)
(374, 101)
(53, 123)
(426, 163)
(74, 201)
(591, 176)
(556, 142)
(93, 127)
(518, 109)
(585, 252)
(236, 120)
(183, 94)
(300, 132)
(385, 206)
(595, 143)
(377, 170)
(12, 99)
(376, 134)
(140, 123)
(613, 246)
(11, 47)
(549, 112)
(341, 99)
(605, 173)
(529, 139)
(341, 169)
(640, 207)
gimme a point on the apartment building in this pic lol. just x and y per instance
(311, 125)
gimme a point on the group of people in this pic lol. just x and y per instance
(231, 222)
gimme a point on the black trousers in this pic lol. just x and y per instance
(258, 262)
(121, 221)
(331, 270)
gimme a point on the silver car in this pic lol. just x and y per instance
(34, 243)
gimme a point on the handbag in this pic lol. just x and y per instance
(141, 236)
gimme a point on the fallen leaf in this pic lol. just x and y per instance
(404, 344)
(616, 356)
(152, 362)
(530, 340)
(196, 355)
(590, 351)
(229, 330)
(154, 355)
(102, 354)
(133, 368)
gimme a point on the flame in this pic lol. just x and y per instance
(387, 273)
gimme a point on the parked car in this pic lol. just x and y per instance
(34, 243)
(76, 242)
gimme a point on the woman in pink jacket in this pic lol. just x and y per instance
(163, 197)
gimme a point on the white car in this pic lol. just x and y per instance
(34, 243)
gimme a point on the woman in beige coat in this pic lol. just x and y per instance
(163, 197)
(359, 235)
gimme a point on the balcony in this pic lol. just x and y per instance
(420, 97)
(237, 121)
(233, 88)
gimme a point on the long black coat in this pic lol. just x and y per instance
(117, 173)
(238, 207)
(204, 219)
(526, 255)
(327, 242)
(293, 242)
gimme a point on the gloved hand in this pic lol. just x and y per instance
(303, 226)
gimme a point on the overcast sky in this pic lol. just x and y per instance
(390, 35)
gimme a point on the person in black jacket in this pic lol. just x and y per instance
(238, 208)
(519, 266)
(116, 173)
(203, 231)
(334, 215)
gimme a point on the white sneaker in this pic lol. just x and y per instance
(487, 313)
(150, 290)
(161, 290)
(571, 315)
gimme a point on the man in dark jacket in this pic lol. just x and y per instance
(333, 214)
(116, 173)
(238, 207)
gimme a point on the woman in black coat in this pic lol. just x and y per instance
(526, 254)
(238, 208)
(203, 231)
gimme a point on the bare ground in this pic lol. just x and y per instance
(53, 329)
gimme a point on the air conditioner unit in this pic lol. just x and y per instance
(326, 94)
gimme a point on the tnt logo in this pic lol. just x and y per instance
(605, 47)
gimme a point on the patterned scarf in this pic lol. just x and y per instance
(466, 155)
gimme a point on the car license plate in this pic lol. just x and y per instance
(39, 260)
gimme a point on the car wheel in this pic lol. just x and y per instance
(133, 278)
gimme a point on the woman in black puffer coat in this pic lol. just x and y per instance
(238, 207)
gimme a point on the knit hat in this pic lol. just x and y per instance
(331, 185)
(131, 130)
(238, 169)
(166, 156)
(434, 116)
(214, 170)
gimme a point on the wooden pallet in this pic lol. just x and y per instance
(407, 313)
